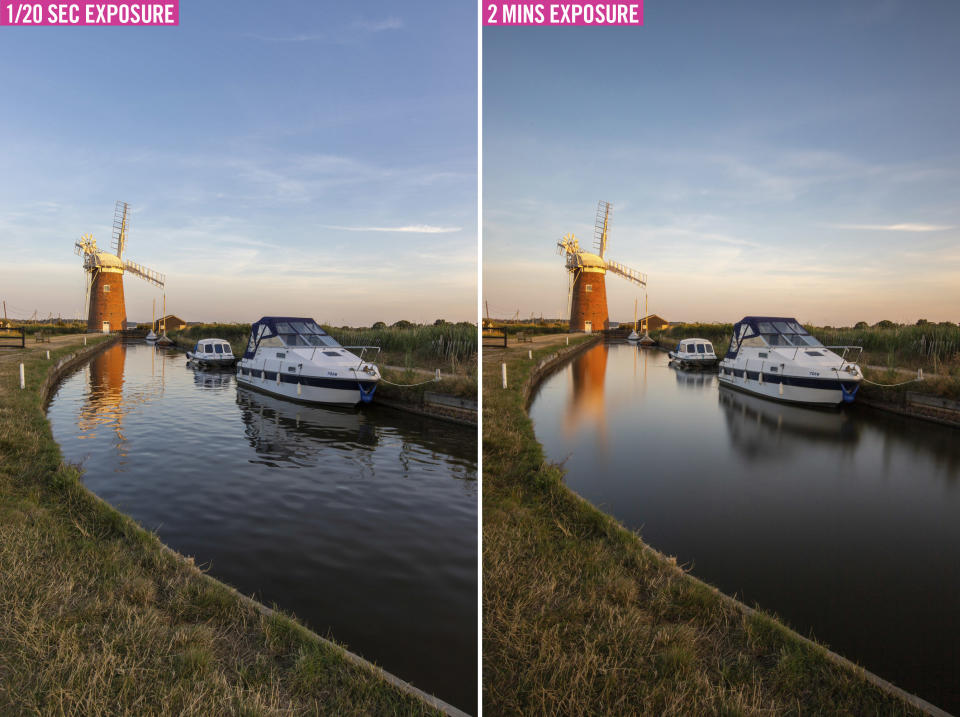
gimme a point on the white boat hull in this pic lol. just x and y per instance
(791, 389)
(341, 392)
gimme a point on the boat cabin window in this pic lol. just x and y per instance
(701, 349)
(208, 348)
(218, 348)
(709, 347)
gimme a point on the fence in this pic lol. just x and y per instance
(12, 338)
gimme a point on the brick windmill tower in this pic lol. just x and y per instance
(587, 273)
(107, 311)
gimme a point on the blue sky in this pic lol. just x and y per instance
(794, 158)
(283, 157)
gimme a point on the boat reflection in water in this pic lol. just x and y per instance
(695, 380)
(296, 433)
(211, 378)
(760, 428)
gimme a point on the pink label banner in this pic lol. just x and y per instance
(530, 12)
(90, 12)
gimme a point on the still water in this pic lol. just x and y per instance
(846, 523)
(363, 523)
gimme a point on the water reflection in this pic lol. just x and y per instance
(284, 431)
(587, 404)
(695, 380)
(761, 429)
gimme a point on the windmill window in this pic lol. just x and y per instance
(588, 288)
(106, 288)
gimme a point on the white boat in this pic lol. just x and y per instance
(295, 358)
(777, 358)
(694, 353)
(150, 337)
(212, 352)
(633, 337)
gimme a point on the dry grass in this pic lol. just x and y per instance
(581, 617)
(97, 617)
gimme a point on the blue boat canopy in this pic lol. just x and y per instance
(774, 330)
(289, 331)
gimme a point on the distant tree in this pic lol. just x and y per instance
(922, 322)
(379, 325)
(947, 323)
(402, 324)
(885, 324)
(439, 322)
(861, 325)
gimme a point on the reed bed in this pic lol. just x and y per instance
(429, 346)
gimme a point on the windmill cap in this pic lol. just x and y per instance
(587, 259)
(107, 259)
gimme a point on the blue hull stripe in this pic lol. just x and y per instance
(827, 384)
(344, 384)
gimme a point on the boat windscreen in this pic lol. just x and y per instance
(304, 333)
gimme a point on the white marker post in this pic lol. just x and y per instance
(48, 354)
(568, 341)
(23, 383)
(530, 353)
(503, 369)
(438, 375)
(84, 340)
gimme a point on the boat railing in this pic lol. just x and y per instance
(363, 350)
(843, 356)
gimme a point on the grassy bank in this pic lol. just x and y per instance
(581, 617)
(97, 616)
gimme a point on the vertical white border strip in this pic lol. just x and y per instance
(479, 710)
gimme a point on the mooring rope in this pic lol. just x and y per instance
(890, 385)
(882, 385)
(409, 385)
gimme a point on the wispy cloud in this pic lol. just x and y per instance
(410, 229)
(905, 227)
(391, 23)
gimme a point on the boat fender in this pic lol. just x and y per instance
(366, 395)
(781, 387)
(848, 395)
(299, 389)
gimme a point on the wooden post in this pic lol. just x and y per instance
(23, 383)
(503, 369)
(530, 353)
(568, 341)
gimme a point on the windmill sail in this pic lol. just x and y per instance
(637, 277)
(602, 226)
(121, 227)
(154, 277)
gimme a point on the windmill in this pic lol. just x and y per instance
(587, 272)
(106, 309)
